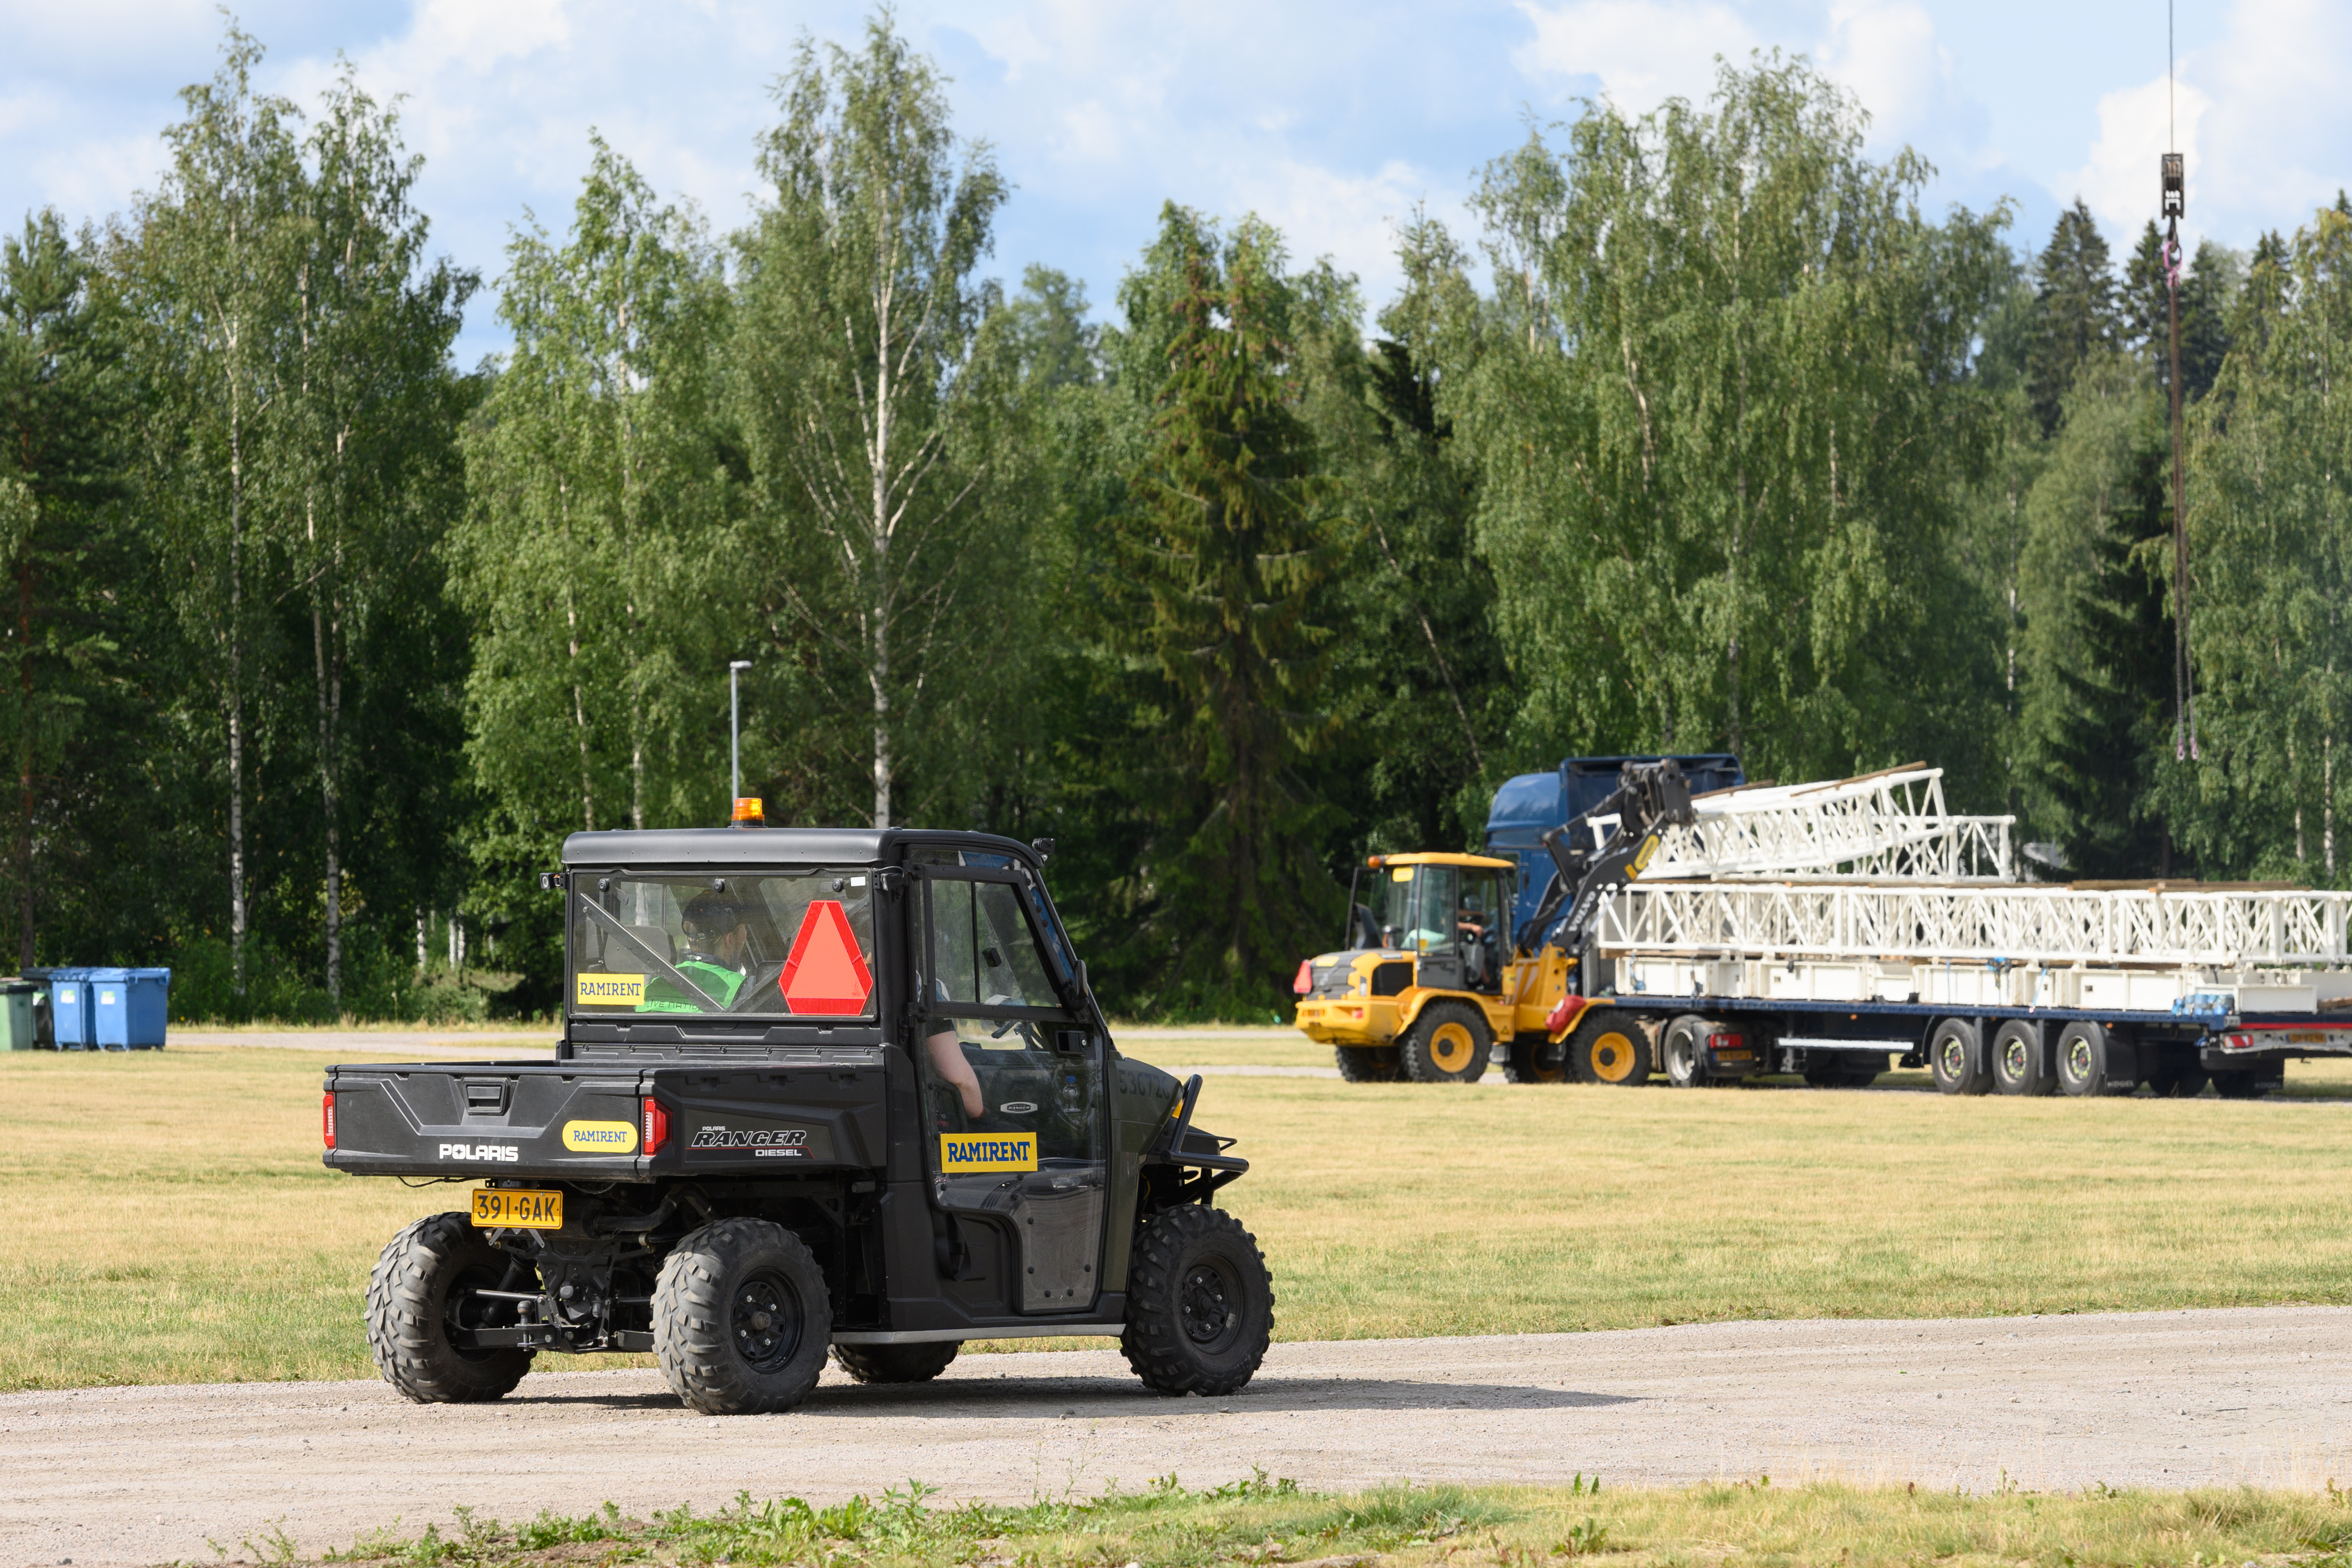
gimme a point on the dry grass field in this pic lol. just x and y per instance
(169, 1220)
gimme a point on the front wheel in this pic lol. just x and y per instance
(1609, 1046)
(1447, 1044)
(423, 1298)
(1200, 1303)
(742, 1316)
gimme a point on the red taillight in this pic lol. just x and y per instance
(327, 1119)
(1306, 980)
(1726, 1042)
(656, 1126)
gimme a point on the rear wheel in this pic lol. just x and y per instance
(896, 1363)
(2178, 1079)
(1535, 1059)
(1368, 1063)
(2017, 1059)
(1447, 1044)
(740, 1319)
(1952, 1053)
(1609, 1046)
(1200, 1303)
(2242, 1085)
(422, 1293)
(2087, 1054)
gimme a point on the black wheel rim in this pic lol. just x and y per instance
(763, 1320)
(1209, 1305)
(464, 1309)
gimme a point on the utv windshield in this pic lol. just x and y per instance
(798, 945)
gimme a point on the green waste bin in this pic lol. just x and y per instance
(17, 1013)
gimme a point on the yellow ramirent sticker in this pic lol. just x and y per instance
(610, 990)
(600, 1137)
(966, 1152)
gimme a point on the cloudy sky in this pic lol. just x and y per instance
(1331, 118)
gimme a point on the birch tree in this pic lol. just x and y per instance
(857, 348)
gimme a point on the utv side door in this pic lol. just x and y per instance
(1013, 1112)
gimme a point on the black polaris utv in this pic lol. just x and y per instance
(817, 1090)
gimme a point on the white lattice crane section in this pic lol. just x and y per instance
(1889, 826)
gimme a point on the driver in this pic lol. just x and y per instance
(715, 944)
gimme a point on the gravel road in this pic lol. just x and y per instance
(2158, 1399)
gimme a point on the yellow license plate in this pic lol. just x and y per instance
(515, 1210)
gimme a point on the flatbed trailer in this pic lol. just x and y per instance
(2089, 989)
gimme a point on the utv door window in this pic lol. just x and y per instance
(1012, 1102)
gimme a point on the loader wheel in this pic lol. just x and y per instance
(740, 1319)
(2016, 1066)
(423, 1289)
(1610, 1047)
(1952, 1053)
(1200, 1303)
(1533, 1059)
(896, 1363)
(1448, 1044)
(1368, 1063)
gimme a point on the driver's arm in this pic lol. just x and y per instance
(947, 1060)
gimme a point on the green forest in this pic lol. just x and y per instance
(1706, 436)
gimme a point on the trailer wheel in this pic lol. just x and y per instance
(2017, 1065)
(740, 1319)
(1366, 1064)
(1610, 1047)
(2242, 1085)
(2180, 1079)
(1200, 1303)
(422, 1291)
(1533, 1059)
(896, 1363)
(1952, 1053)
(1684, 1048)
(1447, 1044)
(2087, 1054)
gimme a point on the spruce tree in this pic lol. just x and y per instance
(2075, 291)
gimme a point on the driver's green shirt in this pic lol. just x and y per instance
(719, 981)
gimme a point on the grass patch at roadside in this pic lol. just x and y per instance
(170, 1221)
(1267, 1522)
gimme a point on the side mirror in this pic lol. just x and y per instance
(550, 881)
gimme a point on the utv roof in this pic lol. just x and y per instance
(773, 845)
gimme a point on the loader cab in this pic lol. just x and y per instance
(1451, 912)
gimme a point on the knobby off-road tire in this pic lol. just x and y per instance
(742, 1318)
(1447, 1044)
(1200, 1303)
(1610, 1047)
(1952, 1053)
(414, 1298)
(896, 1363)
(1368, 1063)
(1533, 1059)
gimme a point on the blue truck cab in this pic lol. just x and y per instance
(1529, 807)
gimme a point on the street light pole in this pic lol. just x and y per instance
(735, 733)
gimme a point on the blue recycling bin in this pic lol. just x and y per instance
(128, 1007)
(70, 1025)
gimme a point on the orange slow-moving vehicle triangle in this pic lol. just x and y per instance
(826, 975)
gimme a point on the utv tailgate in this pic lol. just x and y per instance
(585, 1121)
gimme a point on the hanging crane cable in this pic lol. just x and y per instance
(2174, 202)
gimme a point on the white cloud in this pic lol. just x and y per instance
(2119, 183)
(1643, 53)
(1889, 57)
